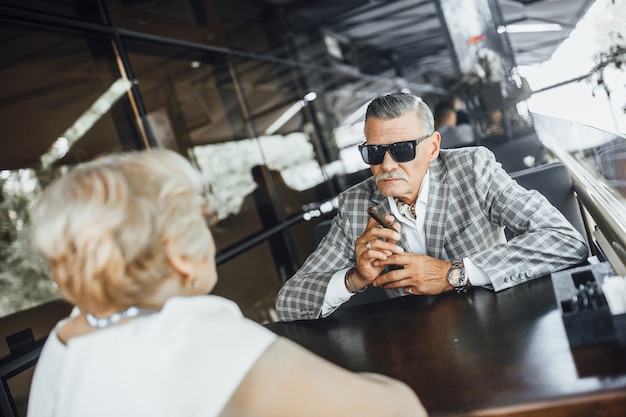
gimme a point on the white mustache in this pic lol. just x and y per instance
(399, 175)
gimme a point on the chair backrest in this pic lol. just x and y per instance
(554, 182)
(25, 351)
(25, 333)
(321, 229)
(518, 153)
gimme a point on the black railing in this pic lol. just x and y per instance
(308, 212)
(24, 353)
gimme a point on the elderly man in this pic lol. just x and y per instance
(448, 208)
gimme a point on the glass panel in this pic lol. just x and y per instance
(251, 25)
(55, 78)
(85, 11)
(172, 10)
(602, 153)
(580, 99)
(194, 21)
(221, 107)
(19, 387)
(195, 107)
(294, 144)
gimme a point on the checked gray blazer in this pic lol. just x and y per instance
(471, 198)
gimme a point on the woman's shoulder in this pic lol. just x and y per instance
(202, 304)
(208, 315)
(202, 333)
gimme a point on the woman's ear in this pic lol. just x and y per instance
(181, 263)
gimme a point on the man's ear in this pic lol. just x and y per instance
(434, 146)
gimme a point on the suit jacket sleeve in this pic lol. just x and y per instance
(302, 296)
(545, 241)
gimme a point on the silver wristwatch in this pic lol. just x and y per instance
(457, 277)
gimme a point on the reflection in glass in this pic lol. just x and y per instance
(228, 166)
(54, 79)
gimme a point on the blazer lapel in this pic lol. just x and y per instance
(436, 210)
(380, 202)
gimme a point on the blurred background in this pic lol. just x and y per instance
(266, 98)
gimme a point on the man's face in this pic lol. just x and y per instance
(401, 179)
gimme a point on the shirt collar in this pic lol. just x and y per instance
(422, 196)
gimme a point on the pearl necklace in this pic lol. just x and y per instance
(102, 322)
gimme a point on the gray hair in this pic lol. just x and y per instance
(394, 105)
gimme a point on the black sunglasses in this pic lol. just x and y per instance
(399, 151)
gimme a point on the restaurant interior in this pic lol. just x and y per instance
(266, 98)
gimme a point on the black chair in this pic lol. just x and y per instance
(518, 153)
(554, 182)
(24, 354)
(321, 229)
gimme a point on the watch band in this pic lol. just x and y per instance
(457, 277)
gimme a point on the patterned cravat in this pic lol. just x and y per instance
(406, 209)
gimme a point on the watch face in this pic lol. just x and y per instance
(456, 276)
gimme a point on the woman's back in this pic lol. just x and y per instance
(187, 360)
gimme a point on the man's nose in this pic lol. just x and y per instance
(388, 161)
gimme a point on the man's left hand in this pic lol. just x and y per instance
(421, 274)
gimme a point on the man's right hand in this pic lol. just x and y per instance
(374, 245)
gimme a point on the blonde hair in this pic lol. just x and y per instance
(105, 226)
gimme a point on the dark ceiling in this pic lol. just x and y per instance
(404, 44)
(408, 36)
